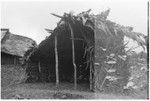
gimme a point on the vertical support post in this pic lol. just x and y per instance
(56, 62)
(148, 49)
(93, 72)
(94, 65)
(14, 60)
(96, 58)
(39, 65)
(90, 76)
(73, 58)
(92, 56)
(40, 71)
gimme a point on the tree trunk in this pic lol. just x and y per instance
(56, 64)
(73, 59)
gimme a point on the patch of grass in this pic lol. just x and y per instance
(12, 74)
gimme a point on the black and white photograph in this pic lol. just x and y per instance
(74, 49)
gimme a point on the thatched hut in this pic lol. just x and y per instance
(13, 47)
(79, 49)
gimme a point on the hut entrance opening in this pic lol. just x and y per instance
(42, 61)
(43, 58)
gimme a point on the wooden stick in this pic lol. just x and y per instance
(14, 60)
(56, 59)
(90, 76)
(49, 30)
(91, 58)
(39, 65)
(56, 15)
(105, 78)
(73, 59)
(148, 49)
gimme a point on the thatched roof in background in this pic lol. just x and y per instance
(15, 44)
(3, 33)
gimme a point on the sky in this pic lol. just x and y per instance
(30, 18)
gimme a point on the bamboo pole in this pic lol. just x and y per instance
(56, 64)
(73, 58)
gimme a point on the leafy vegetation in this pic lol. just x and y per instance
(116, 62)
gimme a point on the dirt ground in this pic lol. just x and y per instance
(11, 88)
(49, 91)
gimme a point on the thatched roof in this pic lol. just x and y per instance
(3, 33)
(15, 44)
(98, 23)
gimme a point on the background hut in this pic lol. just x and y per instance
(13, 47)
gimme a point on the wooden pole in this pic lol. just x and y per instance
(14, 60)
(56, 64)
(73, 59)
(39, 65)
(92, 60)
(90, 76)
(148, 49)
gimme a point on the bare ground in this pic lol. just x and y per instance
(49, 91)
(11, 88)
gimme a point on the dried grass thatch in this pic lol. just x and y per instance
(104, 46)
(16, 44)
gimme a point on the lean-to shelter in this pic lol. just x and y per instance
(79, 49)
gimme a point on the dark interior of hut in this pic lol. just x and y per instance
(46, 54)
